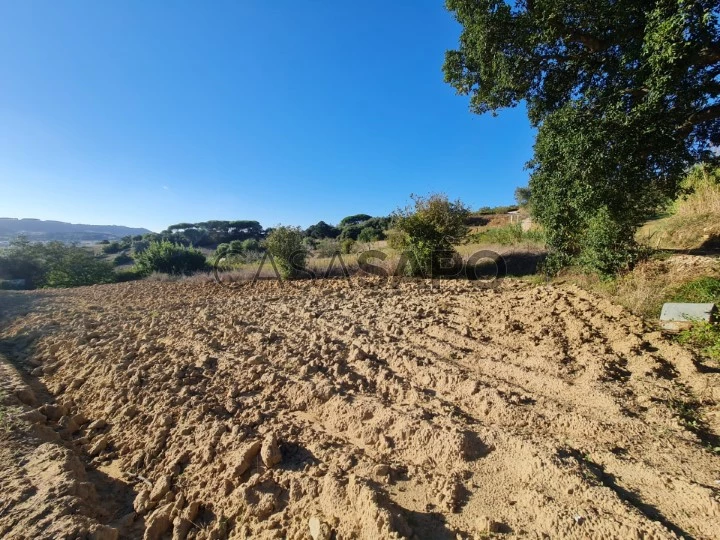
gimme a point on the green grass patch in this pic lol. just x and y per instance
(703, 290)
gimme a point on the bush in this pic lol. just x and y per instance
(327, 247)
(72, 266)
(607, 247)
(431, 226)
(123, 259)
(250, 245)
(347, 246)
(132, 274)
(24, 260)
(285, 244)
(168, 258)
(53, 265)
(368, 234)
(138, 246)
(111, 248)
(237, 247)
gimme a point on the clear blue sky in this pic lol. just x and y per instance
(148, 113)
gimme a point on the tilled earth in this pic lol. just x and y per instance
(349, 409)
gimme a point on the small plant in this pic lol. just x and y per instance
(703, 336)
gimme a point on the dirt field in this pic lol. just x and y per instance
(325, 410)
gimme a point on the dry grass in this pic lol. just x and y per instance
(650, 284)
(693, 221)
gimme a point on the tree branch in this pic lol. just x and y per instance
(705, 115)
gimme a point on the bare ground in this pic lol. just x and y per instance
(349, 409)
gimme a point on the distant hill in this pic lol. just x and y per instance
(44, 231)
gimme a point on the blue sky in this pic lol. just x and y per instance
(148, 113)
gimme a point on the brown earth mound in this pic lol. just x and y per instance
(349, 410)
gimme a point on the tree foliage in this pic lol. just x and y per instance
(322, 230)
(625, 96)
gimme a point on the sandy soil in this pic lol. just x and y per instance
(349, 410)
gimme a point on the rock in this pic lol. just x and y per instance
(158, 523)
(103, 532)
(318, 529)
(25, 395)
(142, 503)
(54, 412)
(130, 411)
(99, 446)
(33, 416)
(381, 470)
(76, 383)
(69, 425)
(191, 511)
(161, 488)
(246, 455)
(270, 453)
(80, 419)
(485, 524)
(97, 424)
(181, 528)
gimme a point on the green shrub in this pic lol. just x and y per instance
(24, 260)
(169, 258)
(111, 248)
(123, 259)
(606, 246)
(327, 247)
(250, 245)
(53, 265)
(237, 247)
(347, 246)
(285, 244)
(396, 239)
(138, 246)
(72, 266)
(431, 226)
(368, 234)
(132, 274)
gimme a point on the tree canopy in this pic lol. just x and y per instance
(625, 95)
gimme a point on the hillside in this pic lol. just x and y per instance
(43, 231)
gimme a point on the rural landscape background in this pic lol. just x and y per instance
(502, 373)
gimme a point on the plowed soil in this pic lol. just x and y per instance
(349, 409)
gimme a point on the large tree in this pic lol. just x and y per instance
(625, 95)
